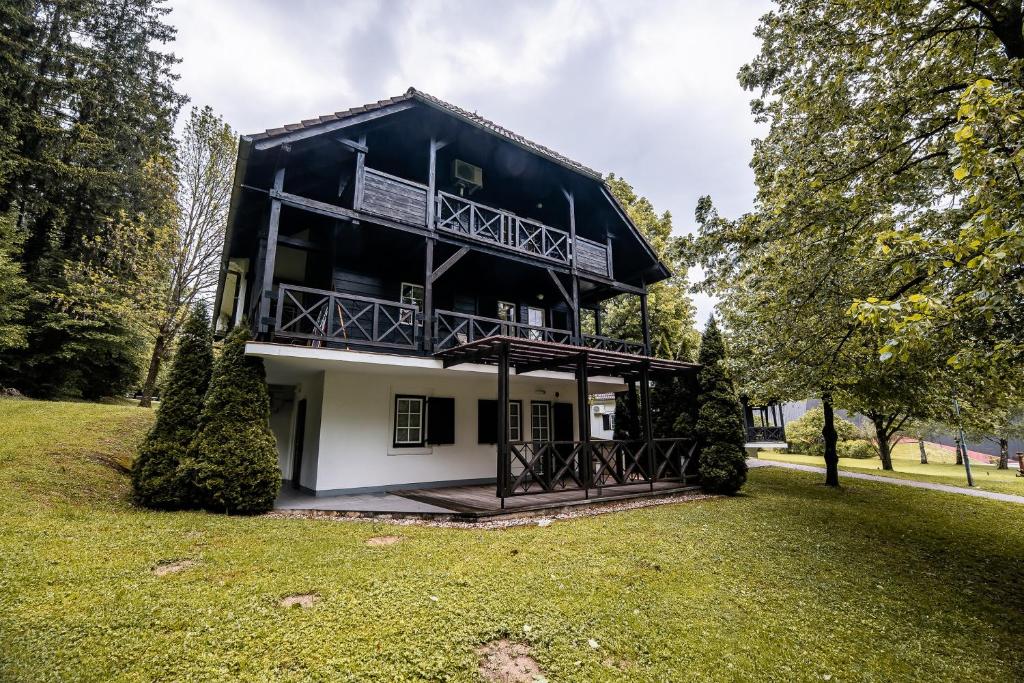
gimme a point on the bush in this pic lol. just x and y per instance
(233, 460)
(156, 479)
(723, 459)
(859, 449)
(804, 434)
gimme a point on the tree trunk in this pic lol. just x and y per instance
(1004, 455)
(831, 437)
(924, 453)
(959, 453)
(159, 348)
(884, 452)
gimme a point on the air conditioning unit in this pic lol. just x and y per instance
(467, 176)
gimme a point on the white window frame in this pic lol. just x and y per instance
(534, 333)
(419, 430)
(412, 298)
(547, 421)
(515, 428)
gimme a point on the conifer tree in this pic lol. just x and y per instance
(722, 462)
(156, 479)
(233, 460)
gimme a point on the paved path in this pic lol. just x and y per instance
(977, 493)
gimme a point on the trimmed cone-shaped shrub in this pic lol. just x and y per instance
(156, 481)
(722, 461)
(233, 460)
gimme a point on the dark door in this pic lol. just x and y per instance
(562, 420)
(300, 438)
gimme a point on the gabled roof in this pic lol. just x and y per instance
(412, 94)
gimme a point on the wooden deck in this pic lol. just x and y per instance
(480, 500)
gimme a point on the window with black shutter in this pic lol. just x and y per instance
(440, 421)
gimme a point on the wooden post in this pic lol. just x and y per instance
(608, 255)
(645, 398)
(583, 412)
(572, 227)
(503, 421)
(432, 184)
(357, 198)
(428, 297)
(270, 255)
(645, 322)
(576, 307)
(597, 321)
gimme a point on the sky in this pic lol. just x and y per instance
(645, 90)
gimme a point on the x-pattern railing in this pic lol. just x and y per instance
(535, 467)
(759, 433)
(323, 316)
(463, 216)
(610, 344)
(452, 329)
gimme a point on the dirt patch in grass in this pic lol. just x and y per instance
(172, 567)
(383, 540)
(303, 600)
(502, 661)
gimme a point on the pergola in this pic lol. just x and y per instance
(532, 355)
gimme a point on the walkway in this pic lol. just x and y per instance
(977, 493)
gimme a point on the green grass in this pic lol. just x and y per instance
(941, 468)
(790, 581)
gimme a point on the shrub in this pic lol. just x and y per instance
(233, 460)
(720, 434)
(804, 434)
(156, 480)
(859, 449)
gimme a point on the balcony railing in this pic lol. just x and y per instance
(452, 329)
(323, 316)
(609, 344)
(468, 218)
(762, 434)
(542, 467)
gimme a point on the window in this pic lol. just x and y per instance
(609, 421)
(540, 414)
(411, 294)
(409, 421)
(535, 318)
(506, 311)
(515, 420)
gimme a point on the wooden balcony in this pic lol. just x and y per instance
(322, 317)
(406, 201)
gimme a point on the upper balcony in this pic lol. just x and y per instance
(405, 201)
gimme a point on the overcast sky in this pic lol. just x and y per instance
(645, 90)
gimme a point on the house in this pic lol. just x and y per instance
(407, 267)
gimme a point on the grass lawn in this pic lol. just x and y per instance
(906, 459)
(789, 581)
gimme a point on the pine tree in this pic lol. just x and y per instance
(156, 479)
(722, 461)
(233, 459)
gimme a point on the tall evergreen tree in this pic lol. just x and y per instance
(722, 461)
(87, 108)
(233, 459)
(157, 481)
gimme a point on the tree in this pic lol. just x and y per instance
(722, 460)
(805, 433)
(905, 121)
(205, 169)
(87, 107)
(157, 481)
(670, 311)
(233, 459)
(13, 287)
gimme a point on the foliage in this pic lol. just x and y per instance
(755, 571)
(233, 460)
(899, 126)
(156, 479)
(670, 311)
(857, 449)
(87, 108)
(12, 286)
(719, 427)
(205, 166)
(804, 433)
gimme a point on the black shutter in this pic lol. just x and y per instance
(563, 420)
(487, 421)
(440, 420)
(606, 421)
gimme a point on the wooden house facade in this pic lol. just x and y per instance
(407, 267)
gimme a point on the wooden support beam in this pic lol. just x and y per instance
(548, 363)
(432, 185)
(270, 256)
(353, 145)
(560, 286)
(451, 261)
(503, 463)
(338, 124)
(572, 227)
(428, 297)
(634, 409)
(645, 398)
(645, 323)
(598, 313)
(608, 253)
(296, 243)
(583, 413)
(357, 200)
(575, 306)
